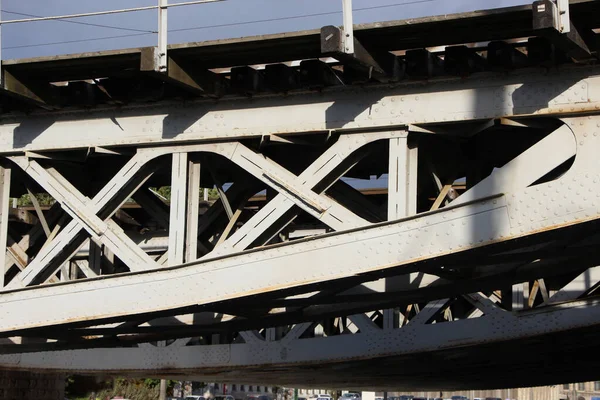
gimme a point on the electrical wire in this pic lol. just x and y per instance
(221, 25)
(75, 41)
(109, 12)
(297, 16)
(81, 23)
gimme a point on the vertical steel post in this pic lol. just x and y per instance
(163, 389)
(193, 201)
(402, 179)
(162, 34)
(348, 27)
(1, 73)
(177, 219)
(564, 17)
(4, 211)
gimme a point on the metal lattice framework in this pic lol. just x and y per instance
(482, 244)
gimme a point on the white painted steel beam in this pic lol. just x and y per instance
(30, 238)
(325, 258)
(578, 287)
(564, 16)
(308, 261)
(413, 338)
(193, 211)
(292, 188)
(570, 90)
(163, 34)
(179, 200)
(348, 26)
(528, 167)
(76, 205)
(5, 177)
(318, 171)
(74, 229)
(402, 179)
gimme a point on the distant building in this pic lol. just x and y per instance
(576, 391)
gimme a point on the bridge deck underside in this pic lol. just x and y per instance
(543, 360)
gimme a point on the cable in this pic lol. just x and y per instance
(75, 41)
(109, 12)
(297, 16)
(224, 25)
(81, 23)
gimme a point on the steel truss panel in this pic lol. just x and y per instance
(568, 90)
(349, 253)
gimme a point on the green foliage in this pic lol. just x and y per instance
(43, 198)
(69, 381)
(165, 192)
(135, 389)
(46, 200)
(151, 383)
(130, 389)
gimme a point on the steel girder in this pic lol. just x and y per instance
(565, 90)
(502, 215)
(488, 263)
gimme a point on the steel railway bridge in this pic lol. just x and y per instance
(476, 266)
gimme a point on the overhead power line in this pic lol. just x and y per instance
(296, 16)
(76, 41)
(81, 23)
(292, 17)
(109, 12)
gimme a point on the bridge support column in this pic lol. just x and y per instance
(18, 385)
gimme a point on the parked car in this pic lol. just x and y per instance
(493, 398)
(258, 397)
(351, 396)
(224, 397)
(195, 397)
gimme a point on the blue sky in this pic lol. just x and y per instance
(23, 40)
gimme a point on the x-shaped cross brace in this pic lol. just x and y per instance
(84, 212)
(299, 190)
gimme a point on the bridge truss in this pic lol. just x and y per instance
(477, 258)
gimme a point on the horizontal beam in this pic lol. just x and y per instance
(408, 340)
(325, 259)
(183, 74)
(93, 299)
(37, 93)
(333, 44)
(333, 110)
